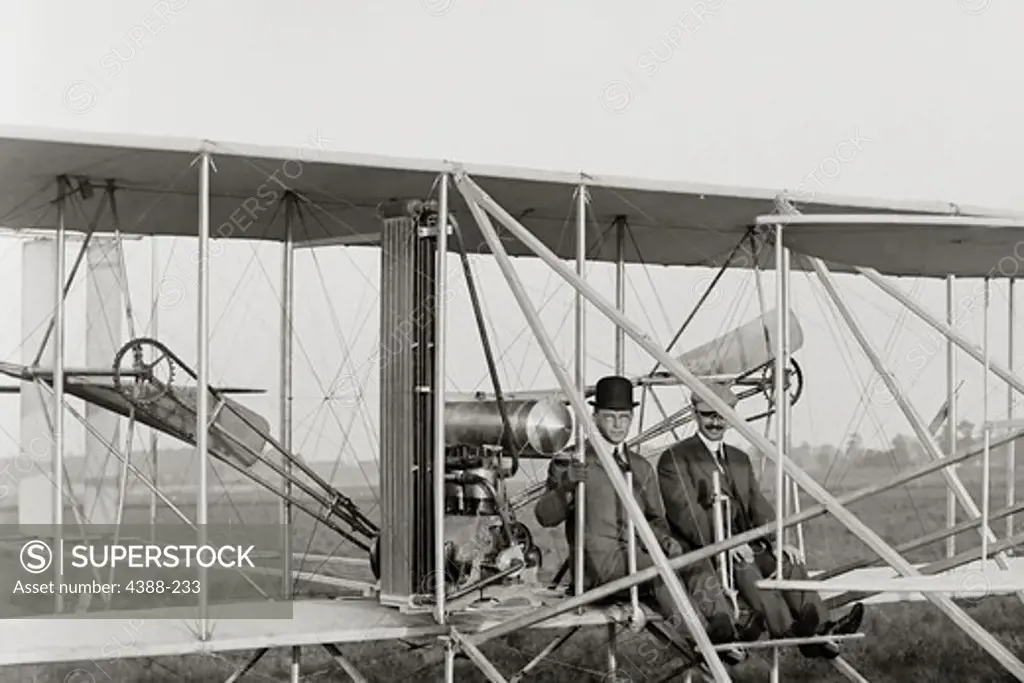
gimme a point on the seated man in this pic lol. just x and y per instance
(606, 543)
(685, 474)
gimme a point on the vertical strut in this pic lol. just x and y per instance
(786, 406)
(203, 379)
(951, 419)
(441, 275)
(58, 386)
(1011, 449)
(620, 292)
(986, 455)
(287, 312)
(581, 383)
(449, 660)
(620, 369)
(780, 395)
(781, 405)
(154, 434)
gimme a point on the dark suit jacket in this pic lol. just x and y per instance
(605, 539)
(682, 468)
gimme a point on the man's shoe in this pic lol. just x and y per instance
(731, 656)
(820, 650)
(752, 629)
(722, 631)
(847, 624)
(805, 625)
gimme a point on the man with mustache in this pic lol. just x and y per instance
(606, 541)
(685, 473)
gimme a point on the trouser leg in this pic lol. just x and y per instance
(797, 601)
(769, 604)
(705, 590)
(705, 594)
(701, 586)
(658, 593)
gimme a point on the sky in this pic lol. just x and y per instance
(723, 91)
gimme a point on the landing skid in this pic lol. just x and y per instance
(171, 631)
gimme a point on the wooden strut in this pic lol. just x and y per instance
(477, 657)
(246, 665)
(548, 650)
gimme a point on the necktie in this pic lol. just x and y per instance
(721, 462)
(620, 458)
(718, 456)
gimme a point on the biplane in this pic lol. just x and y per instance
(444, 454)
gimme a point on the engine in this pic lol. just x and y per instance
(484, 543)
(475, 454)
(488, 544)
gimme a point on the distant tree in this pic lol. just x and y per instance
(901, 447)
(855, 446)
(825, 454)
(965, 430)
(965, 434)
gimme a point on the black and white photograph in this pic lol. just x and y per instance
(460, 341)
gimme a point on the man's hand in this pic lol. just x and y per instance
(794, 555)
(790, 554)
(671, 547)
(573, 473)
(743, 554)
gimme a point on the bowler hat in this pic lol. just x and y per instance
(613, 393)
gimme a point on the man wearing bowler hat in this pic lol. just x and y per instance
(606, 541)
(685, 473)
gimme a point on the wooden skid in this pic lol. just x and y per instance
(172, 631)
(974, 580)
(789, 642)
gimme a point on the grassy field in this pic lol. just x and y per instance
(911, 642)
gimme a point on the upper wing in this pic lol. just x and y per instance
(670, 223)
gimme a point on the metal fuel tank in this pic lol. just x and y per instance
(542, 427)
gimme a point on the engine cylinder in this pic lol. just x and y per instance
(478, 496)
(541, 426)
(453, 497)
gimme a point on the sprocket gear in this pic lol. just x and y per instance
(794, 382)
(144, 385)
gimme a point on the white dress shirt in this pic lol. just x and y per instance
(617, 450)
(717, 450)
